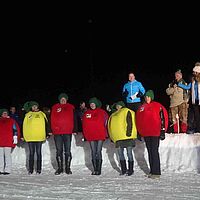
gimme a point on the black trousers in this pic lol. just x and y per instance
(134, 106)
(152, 144)
(63, 141)
(196, 109)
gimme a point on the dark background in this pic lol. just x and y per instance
(89, 52)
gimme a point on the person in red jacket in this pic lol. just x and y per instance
(63, 124)
(151, 122)
(9, 136)
(95, 131)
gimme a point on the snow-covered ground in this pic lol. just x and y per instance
(180, 179)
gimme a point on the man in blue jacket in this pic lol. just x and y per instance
(133, 90)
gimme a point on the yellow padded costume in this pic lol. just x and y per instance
(117, 125)
(34, 126)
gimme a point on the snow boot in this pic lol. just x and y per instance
(99, 165)
(59, 160)
(31, 164)
(68, 164)
(130, 168)
(94, 163)
(123, 167)
(154, 176)
(184, 127)
(39, 166)
(175, 126)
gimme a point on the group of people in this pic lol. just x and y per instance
(185, 102)
(36, 127)
(136, 116)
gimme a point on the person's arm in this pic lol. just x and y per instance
(106, 117)
(129, 124)
(170, 90)
(47, 127)
(75, 130)
(15, 134)
(162, 131)
(124, 92)
(141, 90)
(183, 86)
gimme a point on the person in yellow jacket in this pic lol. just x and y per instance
(122, 131)
(35, 131)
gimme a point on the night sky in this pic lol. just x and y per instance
(85, 54)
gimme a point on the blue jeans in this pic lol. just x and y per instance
(129, 151)
(35, 147)
(96, 149)
(63, 140)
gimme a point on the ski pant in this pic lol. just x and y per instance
(63, 140)
(196, 109)
(182, 111)
(129, 151)
(35, 147)
(96, 149)
(134, 106)
(152, 144)
(5, 159)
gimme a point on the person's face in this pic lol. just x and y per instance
(4, 114)
(178, 76)
(131, 77)
(148, 99)
(92, 106)
(63, 100)
(12, 109)
(195, 73)
(82, 105)
(34, 108)
(118, 107)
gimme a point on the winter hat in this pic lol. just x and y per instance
(96, 101)
(33, 103)
(113, 108)
(121, 103)
(61, 95)
(3, 110)
(197, 67)
(150, 93)
(28, 105)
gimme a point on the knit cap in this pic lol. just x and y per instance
(29, 104)
(121, 103)
(61, 95)
(150, 93)
(3, 110)
(96, 101)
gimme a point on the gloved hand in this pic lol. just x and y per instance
(162, 134)
(15, 139)
(48, 136)
(108, 108)
(125, 93)
(139, 95)
(134, 96)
